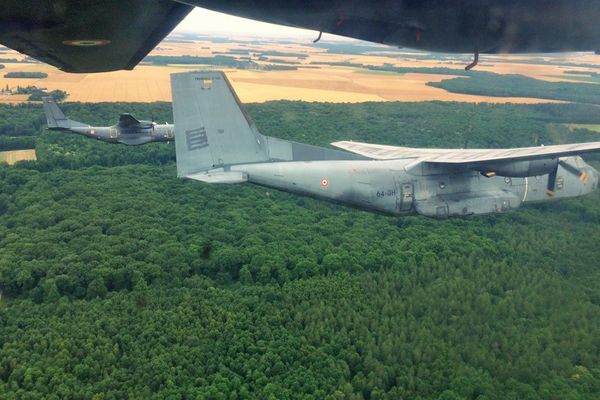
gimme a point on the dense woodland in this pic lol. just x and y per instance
(120, 281)
(26, 74)
(37, 94)
(489, 84)
(485, 83)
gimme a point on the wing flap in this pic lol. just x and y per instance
(467, 156)
(374, 151)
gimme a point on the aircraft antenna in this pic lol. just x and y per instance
(475, 61)
(318, 37)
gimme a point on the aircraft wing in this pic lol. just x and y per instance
(467, 156)
(88, 35)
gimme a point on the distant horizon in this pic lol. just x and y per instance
(203, 21)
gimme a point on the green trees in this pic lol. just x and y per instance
(121, 280)
(27, 75)
(489, 84)
(36, 94)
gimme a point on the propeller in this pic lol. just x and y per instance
(583, 176)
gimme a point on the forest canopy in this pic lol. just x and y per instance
(121, 281)
(36, 94)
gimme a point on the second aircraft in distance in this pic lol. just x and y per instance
(128, 130)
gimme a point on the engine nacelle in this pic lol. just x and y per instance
(519, 169)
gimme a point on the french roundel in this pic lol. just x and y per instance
(324, 182)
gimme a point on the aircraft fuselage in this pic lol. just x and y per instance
(398, 187)
(132, 135)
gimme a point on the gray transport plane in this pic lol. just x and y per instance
(217, 142)
(128, 130)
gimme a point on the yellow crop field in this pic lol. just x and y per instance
(311, 82)
(344, 85)
(13, 156)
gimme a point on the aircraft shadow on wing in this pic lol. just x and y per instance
(128, 131)
(217, 142)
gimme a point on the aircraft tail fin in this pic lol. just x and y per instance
(212, 130)
(128, 120)
(54, 116)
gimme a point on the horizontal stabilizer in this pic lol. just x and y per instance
(220, 176)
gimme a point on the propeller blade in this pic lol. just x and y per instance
(583, 176)
(551, 182)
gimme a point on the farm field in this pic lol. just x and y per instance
(315, 79)
(13, 156)
(589, 127)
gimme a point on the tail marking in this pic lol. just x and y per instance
(196, 139)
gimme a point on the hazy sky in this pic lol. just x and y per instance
(204, 21)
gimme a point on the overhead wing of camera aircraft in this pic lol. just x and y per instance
(128, 130)
(217, 142)
(94, 36)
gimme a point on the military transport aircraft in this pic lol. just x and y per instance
(93, 36)
(128, 130)
(217, 142)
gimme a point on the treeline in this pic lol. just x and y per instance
(433, 70)
(280, 60)
(16, 143)
(118, 278)
(275, 53)
(275, 67)
(30, 75)
(36, 94)
(424, 124)
(27, 59)
(220, 60)
(485, 83)
(428, 124)
(217, 60)
(521, 86)
(578, 72)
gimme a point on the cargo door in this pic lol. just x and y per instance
(404, 197)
